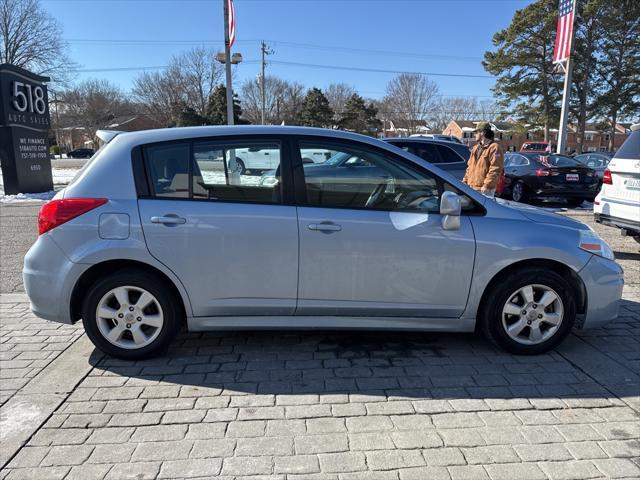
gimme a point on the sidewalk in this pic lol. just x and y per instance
(291, 405)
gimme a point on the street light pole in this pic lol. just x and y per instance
(227, 64)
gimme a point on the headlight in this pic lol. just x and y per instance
(592, 243)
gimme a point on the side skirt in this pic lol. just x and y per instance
(202, 324)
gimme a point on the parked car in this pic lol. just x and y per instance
(618, 203)
(437, 136)
(148, 239)
(596, 160)
(258, 159)
(81, 153)
(531, 176)
(535, 147)
(451, 157)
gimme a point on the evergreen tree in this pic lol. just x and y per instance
(522, 61)
(316, 111)
(359, 117)
(618, 68)
(183, 115)
(217, 108)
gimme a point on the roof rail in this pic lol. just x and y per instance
(107, 135)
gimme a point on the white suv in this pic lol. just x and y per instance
(618, 203)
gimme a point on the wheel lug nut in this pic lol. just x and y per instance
(131, 309)
(524, 312)
(128, 325)
(539, 316)
(528, 322)
(535, 306)
(120, 315)
(139, 319)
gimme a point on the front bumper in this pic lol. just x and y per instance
(603, 280)
(49, 277)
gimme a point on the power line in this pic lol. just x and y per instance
(377, 70)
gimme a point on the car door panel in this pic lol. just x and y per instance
(383, 264)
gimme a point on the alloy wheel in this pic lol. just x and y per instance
(532, 314)
(129, 317)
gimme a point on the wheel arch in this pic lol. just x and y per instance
(110, 266)
(574, 280)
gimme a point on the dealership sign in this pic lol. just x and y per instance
(24, 126)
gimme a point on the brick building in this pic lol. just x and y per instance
(511, 136)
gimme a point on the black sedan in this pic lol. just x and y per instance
(532, 176)
(81, 153)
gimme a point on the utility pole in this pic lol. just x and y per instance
(265, 51)
(55, 103)
(227, 63)
(566, 95)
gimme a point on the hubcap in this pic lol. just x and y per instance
(517, 192)
(532, 314)
(129, 317)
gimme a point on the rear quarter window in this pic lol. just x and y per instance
(630, 149)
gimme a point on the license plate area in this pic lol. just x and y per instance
(573, 177)
(632, 183)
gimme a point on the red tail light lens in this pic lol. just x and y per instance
(57, 212)
(541, 172)
(500, 186)
(606, 178)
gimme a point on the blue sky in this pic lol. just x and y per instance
(440, 36)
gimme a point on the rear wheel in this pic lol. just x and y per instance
(518, 193)
(529, 312)
(131, 314)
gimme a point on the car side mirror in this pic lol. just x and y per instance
(450, 209)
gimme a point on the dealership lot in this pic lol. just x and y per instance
(294, 405)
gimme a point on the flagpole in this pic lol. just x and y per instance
(227, 63)
(566, 91)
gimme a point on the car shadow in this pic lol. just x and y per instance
(589, 364)
(627, 255)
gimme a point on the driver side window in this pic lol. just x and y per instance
(362, 178)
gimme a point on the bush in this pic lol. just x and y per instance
(54, 150)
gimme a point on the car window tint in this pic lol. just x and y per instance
(382, 183)
(426, 151)
(447, 155)
(168, 167)
(630, 149)
(240, 172)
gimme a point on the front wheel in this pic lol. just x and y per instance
(529, 312)
(131, 315)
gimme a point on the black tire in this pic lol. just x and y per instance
(171, 309)
(519, 192)
(490, 317)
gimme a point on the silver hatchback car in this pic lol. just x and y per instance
(162, 229)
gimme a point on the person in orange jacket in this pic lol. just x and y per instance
(486, 163)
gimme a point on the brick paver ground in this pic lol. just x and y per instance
(345, 406)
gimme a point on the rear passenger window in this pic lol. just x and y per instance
(426, 151)
(447, 155)
(211, 170)
(168, 167)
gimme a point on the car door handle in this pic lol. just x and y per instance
(324, 227)
(169, 220)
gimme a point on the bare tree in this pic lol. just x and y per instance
(32, 39)
(283, 100)
(412, 98)
(188, 81)
(93, 105)
(461, 108)
(338, 95)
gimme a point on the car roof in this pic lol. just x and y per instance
(439, 141)
(168, 134)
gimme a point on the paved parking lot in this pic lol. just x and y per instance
(292, 405)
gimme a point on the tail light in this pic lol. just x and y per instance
(541, 172)
(606, 177)
(57, 212)
(500, 186)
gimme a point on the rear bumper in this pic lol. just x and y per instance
(631, 226)
(49, 277)
(603, 280)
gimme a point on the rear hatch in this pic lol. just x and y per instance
(625, 171)
(564, 173)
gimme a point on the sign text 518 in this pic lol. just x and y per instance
(29, 98)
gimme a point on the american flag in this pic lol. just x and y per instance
(565, 31)
(232, 23)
